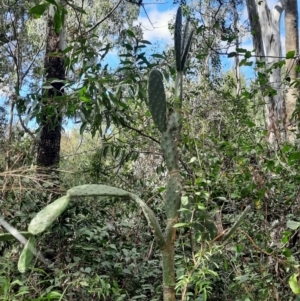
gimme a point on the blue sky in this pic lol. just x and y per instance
(161, 12)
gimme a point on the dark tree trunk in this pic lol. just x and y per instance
(50, 120)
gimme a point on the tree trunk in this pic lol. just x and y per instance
(267, 43)
(51, 117)
(291, 43)
(237, 59)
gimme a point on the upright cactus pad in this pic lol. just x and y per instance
(177, 39)
(186, 49)
(182, 43)
(173, 196)
(157, 100)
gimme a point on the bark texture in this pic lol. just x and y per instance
(291, 43)
(51, 117)
(265, 25)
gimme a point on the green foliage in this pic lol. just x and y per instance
(101, 248)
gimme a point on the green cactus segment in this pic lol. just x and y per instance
(152, 220)
(173, 196)
(48, 215)
(177, 38)
(178, 91)
(157, 100)
(96, 190)
(169, 149)
(174, 126)
(26, 255)
(185, 35)
(8, 236)
(186, 50)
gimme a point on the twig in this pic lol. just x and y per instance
(13, 231)
(107, 16)
(237, 223)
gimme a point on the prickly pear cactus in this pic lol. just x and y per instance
(48, 215)
(157, 100)
(96, 190)
(26, 255)
(177, 39)
(171, 127)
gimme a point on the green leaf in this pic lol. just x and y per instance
(294, 285)
(184, 200)
(146, 42)
(241, 50)
(158, 56)
(57, 21)
(286, 148)
(294, 156)
(38, 10)
(130, 33)
(250, 123)
(243, 278)
(287, 252)
(293, 224)
(179, 225)
(242, 62)
(247, 54)
(232, 54)
(290, 54)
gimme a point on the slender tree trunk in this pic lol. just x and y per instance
(291, 43)
(237, 59)
(265, 25)
(51, 117)
(255, 28)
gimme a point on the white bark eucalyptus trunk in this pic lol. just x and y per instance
(291, 44)
(265, 25)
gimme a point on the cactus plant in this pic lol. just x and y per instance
(177, 39)
(170, 128)
(157, 100)
(26, 255)
(48, 215)
(169, 143)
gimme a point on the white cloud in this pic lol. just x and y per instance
(158, 30)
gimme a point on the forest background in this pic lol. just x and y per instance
(87, 99)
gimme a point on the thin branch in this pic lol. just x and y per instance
(138, 131)
(236, 224)
(13, 231)
(25, 128)
(107, 16)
